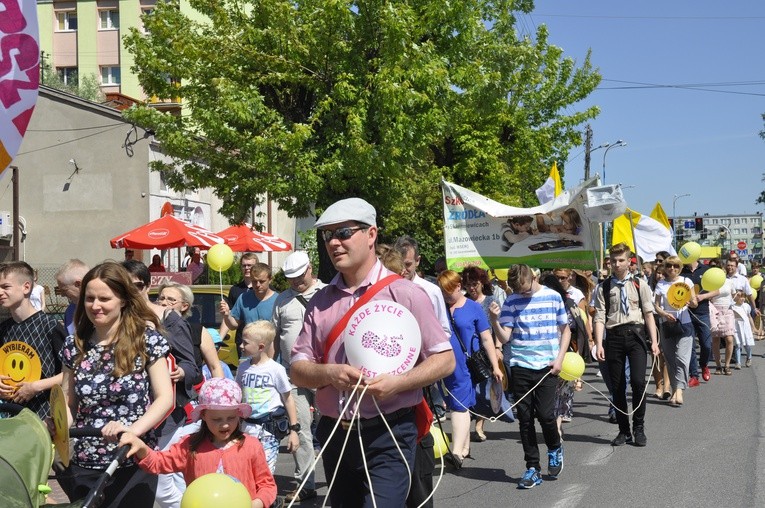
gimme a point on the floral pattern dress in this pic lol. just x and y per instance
(103, 398)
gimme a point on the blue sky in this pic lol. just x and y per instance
(679, 141)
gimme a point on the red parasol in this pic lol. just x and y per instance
(243, 238)
(165, 233)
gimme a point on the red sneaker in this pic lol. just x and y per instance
(705, 375)
(694, 382)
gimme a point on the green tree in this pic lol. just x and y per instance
(307, 101)
(86, 87)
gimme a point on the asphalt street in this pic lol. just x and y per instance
(706, 453)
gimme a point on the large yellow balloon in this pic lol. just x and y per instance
(220, 257)
(689, 252)
(216, 490)
(573, 367)
(440, 441)
(713, 279)
(756, 282)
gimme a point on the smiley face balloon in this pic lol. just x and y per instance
(678, 295)
(20, 362)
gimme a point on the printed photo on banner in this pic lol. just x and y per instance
(484, 232)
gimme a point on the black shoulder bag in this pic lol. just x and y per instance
(478, 363)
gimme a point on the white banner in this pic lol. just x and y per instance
(483, 232)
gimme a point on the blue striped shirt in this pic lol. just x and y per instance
(535, 340)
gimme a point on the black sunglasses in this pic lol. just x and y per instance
(340, 233)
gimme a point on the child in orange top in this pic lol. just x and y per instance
(219, 446)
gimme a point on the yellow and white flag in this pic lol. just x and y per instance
(650, 235)
(552, 186)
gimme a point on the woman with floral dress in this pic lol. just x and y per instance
(116, 379)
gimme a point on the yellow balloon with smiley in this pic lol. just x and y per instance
(20, 362)
(678, 295)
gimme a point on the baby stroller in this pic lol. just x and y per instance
(26, 454)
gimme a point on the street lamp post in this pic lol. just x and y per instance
(674, 217)
(607, 147)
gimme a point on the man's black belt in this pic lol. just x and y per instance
(377, 421)
(625, 328)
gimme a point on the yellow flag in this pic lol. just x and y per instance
(650, 234)
(552, 186)
(556, 178)
(658, 214)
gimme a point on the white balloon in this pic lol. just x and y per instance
(382, 337)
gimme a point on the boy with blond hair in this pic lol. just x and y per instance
(267, 389)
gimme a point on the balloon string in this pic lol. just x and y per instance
(355, 418)
(497, 417)
(642, 398)
(321, 452)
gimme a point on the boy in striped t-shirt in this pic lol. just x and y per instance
(534, 320)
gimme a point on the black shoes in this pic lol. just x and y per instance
(622, 439)
(640, 439)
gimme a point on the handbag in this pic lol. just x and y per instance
(478, 363)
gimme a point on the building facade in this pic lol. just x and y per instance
(84, 179)
(84, 37)
(742, 233)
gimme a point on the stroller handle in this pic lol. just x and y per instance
(84, 432)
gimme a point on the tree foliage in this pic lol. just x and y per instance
(86, 87)
(308, 101)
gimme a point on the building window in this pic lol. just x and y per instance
(108, 19)
(67, 75)
(736, 220)
(67, 21)
(110, 75)
(744, 231)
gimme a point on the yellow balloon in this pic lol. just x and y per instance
(440, 441)
(689, 252)
(220, 257)
(713, 279)
(573, 366)
(216, 489)
(756, 282)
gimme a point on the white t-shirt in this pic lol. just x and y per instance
(575, 294)
(36, 296)
(662, 287)
(262, 386)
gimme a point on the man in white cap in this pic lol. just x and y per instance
(349, 230)
(289, 311)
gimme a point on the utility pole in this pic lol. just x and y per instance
(42, 67)
(587, 148)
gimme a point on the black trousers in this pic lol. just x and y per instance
(422, 475)
(539, 404)
(627, 343)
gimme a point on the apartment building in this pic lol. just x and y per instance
(84, 37)
(742, 233)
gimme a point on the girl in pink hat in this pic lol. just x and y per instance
(218, 447)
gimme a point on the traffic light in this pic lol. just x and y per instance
(672, 224)
(699, 223)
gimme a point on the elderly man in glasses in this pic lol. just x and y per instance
(349, 230)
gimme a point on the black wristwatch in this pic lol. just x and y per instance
(295, 427)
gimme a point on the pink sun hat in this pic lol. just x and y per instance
(220, 393)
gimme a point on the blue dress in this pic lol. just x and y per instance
(470, 321)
